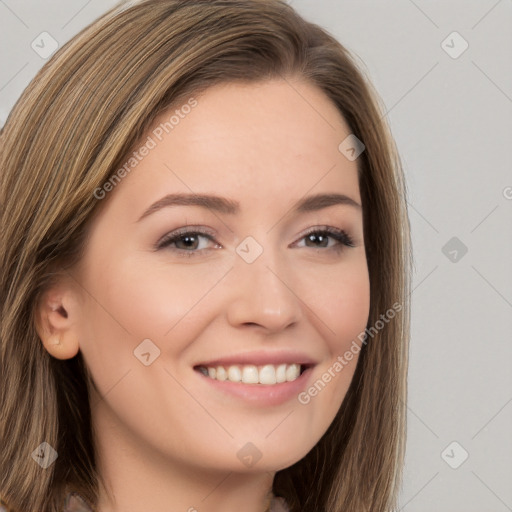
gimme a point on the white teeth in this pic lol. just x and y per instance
(221, 374)
(292, 372)
(267, 375)
(250, 374)
(234, 374)
(281, 373)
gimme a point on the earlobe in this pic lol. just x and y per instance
(56, 325)
(61, 347)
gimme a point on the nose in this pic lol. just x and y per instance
(262, 295)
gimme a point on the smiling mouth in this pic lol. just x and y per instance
(268, 374)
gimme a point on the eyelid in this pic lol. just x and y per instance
(208, 232)
(341, 236)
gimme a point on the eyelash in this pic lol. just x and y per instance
(341, 236)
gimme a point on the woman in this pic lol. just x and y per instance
(205, 261)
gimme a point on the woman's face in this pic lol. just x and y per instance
(253, 287)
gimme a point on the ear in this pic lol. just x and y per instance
(57, 318)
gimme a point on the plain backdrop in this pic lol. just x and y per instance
(444, 72)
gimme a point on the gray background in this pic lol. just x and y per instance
(451, 118)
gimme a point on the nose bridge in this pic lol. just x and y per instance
(261, 289)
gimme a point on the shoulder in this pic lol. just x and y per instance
(279, 505)
(75, 503)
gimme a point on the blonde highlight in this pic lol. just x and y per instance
(72, 128)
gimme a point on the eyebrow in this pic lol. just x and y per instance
(231, 207)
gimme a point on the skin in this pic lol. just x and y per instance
(167, 439)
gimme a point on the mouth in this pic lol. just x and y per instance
(264, 375)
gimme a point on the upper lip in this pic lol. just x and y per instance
(261, 358)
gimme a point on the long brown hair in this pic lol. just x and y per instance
(67, 134)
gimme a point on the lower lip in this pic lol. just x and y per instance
(262, 394)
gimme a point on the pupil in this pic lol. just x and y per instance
(319, 238)
(189, 241)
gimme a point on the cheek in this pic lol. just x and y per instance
(161, 299)
(341, 306)
(342, 302)
(322, 398)
(131, 301)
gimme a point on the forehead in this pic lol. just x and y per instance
(270, 139)
(270, 112)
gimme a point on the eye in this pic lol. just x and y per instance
(186, 242)
(321, 236)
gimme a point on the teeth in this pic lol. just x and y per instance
(267, 375)
(220, 373)
(250, 374)
(281, 373)
(234, 374)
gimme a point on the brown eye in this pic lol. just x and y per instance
(319, 238)
(186, 243)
